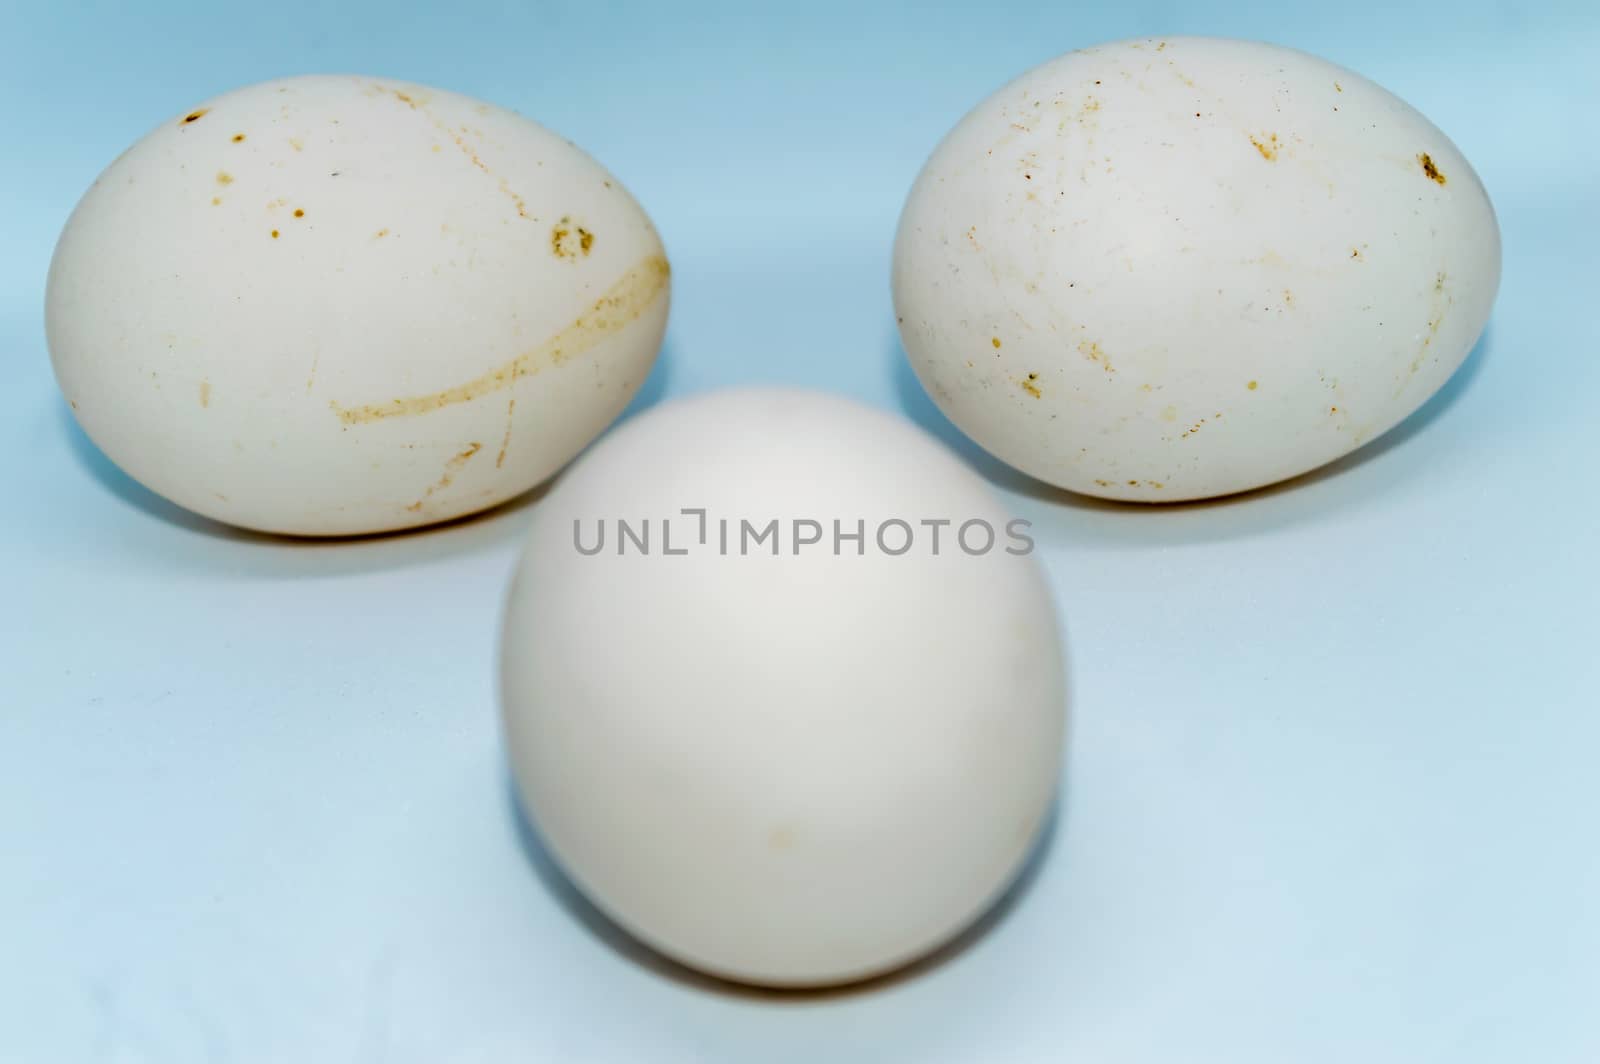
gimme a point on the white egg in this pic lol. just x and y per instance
(332, 305)
(776, 748)
(1175, 268)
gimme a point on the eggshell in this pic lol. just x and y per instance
(1173, 268)
(332, 305)
(782, 765)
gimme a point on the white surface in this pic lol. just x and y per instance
(1175, 268)
(779, 754)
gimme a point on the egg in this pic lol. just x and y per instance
(1175, 268)
(335, 305)
(783, 686)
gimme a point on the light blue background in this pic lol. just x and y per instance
(1331, 791)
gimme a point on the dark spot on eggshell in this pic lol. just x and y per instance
(1267, 145)
(569, 240)
(1430, 169)
(196, 115)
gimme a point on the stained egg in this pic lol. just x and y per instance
(783, 687)
(335, 305)
(1175, 268)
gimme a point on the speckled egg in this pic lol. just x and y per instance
(1174, 268)
(336, 305)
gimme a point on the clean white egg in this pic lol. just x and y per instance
(783, 686)
(1173, 268)
(334, 305)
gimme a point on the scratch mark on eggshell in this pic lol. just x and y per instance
(1091, 350)
(451, 468)
(205, 393)
(1442, 300)
(517, 200)
(1427, 341)
(505, 444)
(458, 138)
(620, 305)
